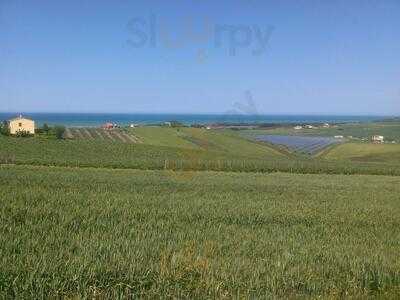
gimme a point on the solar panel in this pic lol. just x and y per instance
(302, 144)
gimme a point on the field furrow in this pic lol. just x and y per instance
(88, 133)
(77, 133)
(130, 137)
(108, 135)
(119, 136)
(97, 133)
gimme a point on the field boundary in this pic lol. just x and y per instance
(223, 166)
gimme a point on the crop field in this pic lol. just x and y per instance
(124, 233)
(379, 153)
(208, 151)
(301, 144)
(87, 133)
(390, 130)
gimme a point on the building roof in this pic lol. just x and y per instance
(20, 117)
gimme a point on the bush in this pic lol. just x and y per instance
(46, 128)
(23, 133)
(4, 129)
(176, 124)
(59, 131)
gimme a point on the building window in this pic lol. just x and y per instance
(20, 124)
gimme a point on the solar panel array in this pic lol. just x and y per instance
(301, 144)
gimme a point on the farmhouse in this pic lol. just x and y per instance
(21, 124)
(108, 126)
(378, 139)
(298, 127)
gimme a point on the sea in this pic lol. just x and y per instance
(97, 119)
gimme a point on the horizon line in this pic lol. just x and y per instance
(209, 113)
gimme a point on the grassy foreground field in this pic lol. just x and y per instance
(109, 233)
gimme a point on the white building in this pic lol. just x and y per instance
(378, 139)
(21, 124)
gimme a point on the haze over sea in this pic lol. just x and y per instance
(97, 119)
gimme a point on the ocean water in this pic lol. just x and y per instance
(94, 120)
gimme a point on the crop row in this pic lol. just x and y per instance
(114, 135)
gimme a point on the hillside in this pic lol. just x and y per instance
(391, 131)
(158, 144)
(378, 153)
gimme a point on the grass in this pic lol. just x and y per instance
(131, 233)
(208, 140)
(380, 153)
(106, 153)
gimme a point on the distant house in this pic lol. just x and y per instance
(326, 125)
(21, 124)
(378, 139)
(339, 136)
(108, 126)
(309, 127)
(297, 127)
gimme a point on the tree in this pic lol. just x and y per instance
(46, 128)
(4, 129)
(59, 130)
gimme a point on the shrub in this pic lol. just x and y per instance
(4, 129)
(23, 133)
(59, 131)
(46, 128)
(176, 124)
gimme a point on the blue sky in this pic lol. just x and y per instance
(299, 57)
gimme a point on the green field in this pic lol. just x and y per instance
(158, 146)
(218, 151)
(108, 233)
(390, 130)
(106, 218)
(365, 153)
